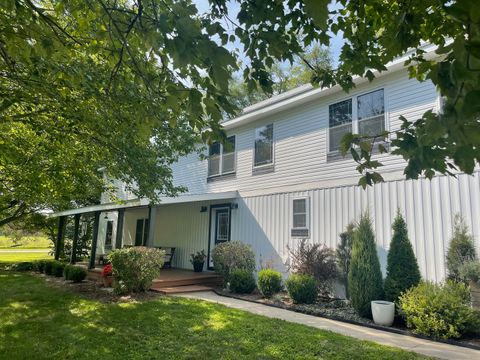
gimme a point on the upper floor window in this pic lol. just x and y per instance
(369, 119)
(222, 157)
(263, 145)
(340, 122)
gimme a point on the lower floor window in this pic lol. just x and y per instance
(141, 232)
(300, 217)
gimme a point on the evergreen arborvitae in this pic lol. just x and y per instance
(461, 249)
(402, 267)
(365, 277)
(344, 255)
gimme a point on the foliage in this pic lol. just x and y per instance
(57, 268)
(365, 277)
(48, 267)
(198, 257)
(242, 281)
(23, 266)
(461, 249)
(402, 266)
(442, 311)
(74, 273)
(315, 260)
(269, 282)
(232, 255)
(160, 323)
(39, 266)
(344, 254)
(302, 288)
(470, 271)
(135, 268)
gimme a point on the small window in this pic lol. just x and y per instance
(222, 157)
(264, 145)
(371, 113)
(340, 123)
(300, 217)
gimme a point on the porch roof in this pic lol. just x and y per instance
(144, 202)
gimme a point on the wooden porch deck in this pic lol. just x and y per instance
(173, 281)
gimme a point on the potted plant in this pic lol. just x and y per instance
(470, 272)
(107, 275)
(198, 260)
(383, 312)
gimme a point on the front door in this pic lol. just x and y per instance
(220, 227)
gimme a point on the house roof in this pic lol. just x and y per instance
(136, 203)
(307, 93)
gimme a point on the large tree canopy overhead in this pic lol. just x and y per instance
(129, 86)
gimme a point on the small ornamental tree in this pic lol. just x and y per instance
(402, 267)
(344, 254)
(365, 276)
(461, 250)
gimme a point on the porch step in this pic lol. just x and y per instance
(169, 282)
(181, 289)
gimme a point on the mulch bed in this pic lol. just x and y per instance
(341, 310)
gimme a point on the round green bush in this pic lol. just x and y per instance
(439, 310)
(269, 282)
(232, 255)
(48, 267)
(57, 268)
(23, 266)
(39, 266)
(242, 281)
(74, 273)
(302, 288)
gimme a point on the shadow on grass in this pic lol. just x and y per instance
(42, 322)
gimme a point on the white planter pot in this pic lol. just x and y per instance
(383, 312)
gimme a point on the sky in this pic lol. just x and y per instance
(335, 44)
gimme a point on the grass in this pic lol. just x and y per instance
(26, 242)
(14, 257)
(45, 322)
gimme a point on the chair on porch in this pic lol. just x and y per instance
(169, 252)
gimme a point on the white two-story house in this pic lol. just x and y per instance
(280, 178)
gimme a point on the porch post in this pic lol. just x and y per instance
(60, 237)
(73, 255)
(119, 237)
(152, 216)
(94, 240)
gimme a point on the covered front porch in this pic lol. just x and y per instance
(187, 224)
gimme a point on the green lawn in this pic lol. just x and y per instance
(14, 257)
(27, 242)
(40, 321)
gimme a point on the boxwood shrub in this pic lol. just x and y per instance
(302, 288)
(439, 310)
(48, 266)
(269, 282)
(23, 266)
(57, 268)
(39, 266)
(74, 273)
(242, 281)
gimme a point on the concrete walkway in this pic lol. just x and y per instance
(425, 347)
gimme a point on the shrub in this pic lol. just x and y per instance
(23, 266)
(344, 255)
(135, 268)
(48, 267)
(242, 281)
(402, 267)
(461, 249)
(57, 268)
(74, 273)
(302, 288)
(365, 277)
(315, 260)
(442, 311)
(269, 282)
(470, 271)
(39, 266)
(232, 255)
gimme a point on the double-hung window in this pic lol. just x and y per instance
(300, 217)
(221, 158)
(263, 146)
(369, 117)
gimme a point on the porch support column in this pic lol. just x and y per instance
(60, 237)
(152, 216)
(76, 230)
(119, 237)
(91, 265)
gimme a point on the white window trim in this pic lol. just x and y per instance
(355, 120)
(307, 215)
(220, 166)
(272, 163)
